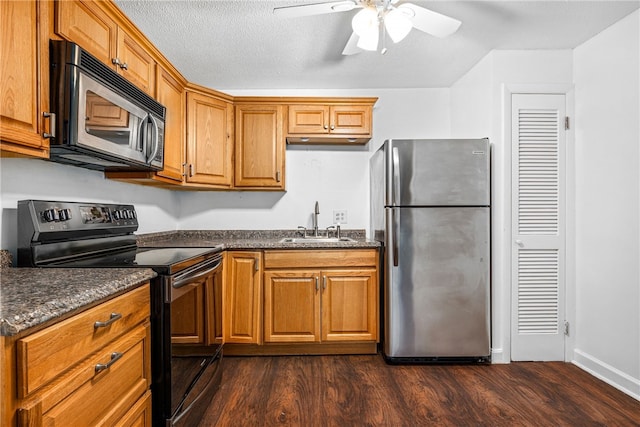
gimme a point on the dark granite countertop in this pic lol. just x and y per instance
(31, 296)
(249, 239)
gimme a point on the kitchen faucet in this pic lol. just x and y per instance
(315, 220)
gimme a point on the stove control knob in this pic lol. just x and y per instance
(116, 215)
(50, 215)
(62, 213)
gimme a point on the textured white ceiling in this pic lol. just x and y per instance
(242, 44)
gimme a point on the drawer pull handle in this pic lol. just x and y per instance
(113, 318)
(115, 356)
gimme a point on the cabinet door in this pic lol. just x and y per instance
(187, 316)
(84, 23)
(291, 306)
(136, 64)
(242, 294)
(308, 119)
(209, 142)
(259, 154)
(351, 119)
(349, 305)
(171, 94)
(24, 77)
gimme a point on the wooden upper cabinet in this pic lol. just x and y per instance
(337, 122)
(259, 147)
(136, 64)
(90, 26)
(209, 140)
(24, 78)
(171, 94)
(85, 23)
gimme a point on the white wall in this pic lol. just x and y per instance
(478, 110)
(336, 176)
(607, 86)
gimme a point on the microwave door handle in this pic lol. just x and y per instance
(141, 134)
(154, 139)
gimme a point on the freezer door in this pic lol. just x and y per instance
(437, 283)
(438, 172)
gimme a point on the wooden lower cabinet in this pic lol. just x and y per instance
(320, 306)
(78, 373)
(314, 302)
(242, 296)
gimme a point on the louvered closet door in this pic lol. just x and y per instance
(538, 218)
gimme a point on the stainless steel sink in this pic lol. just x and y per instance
(315, 240)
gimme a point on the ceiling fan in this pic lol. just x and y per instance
(377, 16)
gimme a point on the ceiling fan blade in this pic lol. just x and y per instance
(430, 22)
(351, 47)
(315, 8)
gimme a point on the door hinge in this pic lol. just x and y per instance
(566, 123)
(566, 328)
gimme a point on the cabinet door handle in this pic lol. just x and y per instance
(115, 356)
(326, 127)
(257, 264)
(190, 169)
(115, 61)
(324, 283)
(333, 127)
(124, 66)
(317, 284)
(52, 125)
(278, 176)
(112, 318)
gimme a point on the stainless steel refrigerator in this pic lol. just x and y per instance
(430, 206)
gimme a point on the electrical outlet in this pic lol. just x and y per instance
(340, 216)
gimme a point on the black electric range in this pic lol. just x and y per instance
(96, 235)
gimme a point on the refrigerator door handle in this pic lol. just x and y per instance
(396, 177)
(394, 235)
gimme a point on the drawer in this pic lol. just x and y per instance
(46, 354)
(111, 394)
(320, 258)
(139, 415)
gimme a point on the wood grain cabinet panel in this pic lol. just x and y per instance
(46, 354)
(336, 303)
(24, 78)
(291, 306)
(87, 24)
(330, 121)
(209, 140)
(171, 93)
(349, 305)
(242, 297)
(259, 147)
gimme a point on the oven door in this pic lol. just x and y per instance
(191, 369)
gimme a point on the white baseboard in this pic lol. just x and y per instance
(498, 356)
(607, 373)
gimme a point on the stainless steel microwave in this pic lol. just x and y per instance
(102, 121)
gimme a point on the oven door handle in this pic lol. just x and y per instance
(190, 277)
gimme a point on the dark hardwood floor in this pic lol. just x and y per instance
(365, 391)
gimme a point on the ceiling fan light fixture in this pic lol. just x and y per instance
(369, 40)
(365, 21)
(397, 24)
